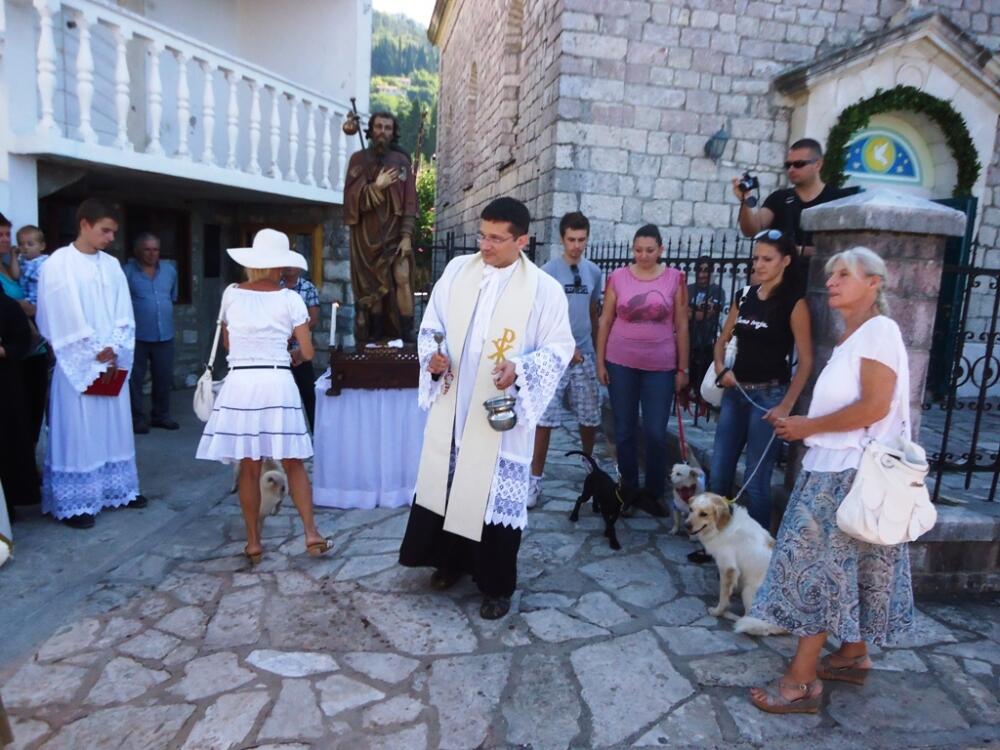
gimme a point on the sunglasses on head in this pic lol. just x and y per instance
(768, 234)
(799, 163)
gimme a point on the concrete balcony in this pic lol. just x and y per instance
(102, 85)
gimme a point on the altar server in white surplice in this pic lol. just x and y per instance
(85, 312)
(506, 330)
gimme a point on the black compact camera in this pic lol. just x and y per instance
(747, 183)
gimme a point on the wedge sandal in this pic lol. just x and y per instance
(849, 672)
(773, 702)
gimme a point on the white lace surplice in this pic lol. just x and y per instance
(84, 306)
(548, 348)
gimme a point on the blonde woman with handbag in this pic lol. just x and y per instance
(258, 412)
(821, 581)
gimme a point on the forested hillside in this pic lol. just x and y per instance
(405, 78)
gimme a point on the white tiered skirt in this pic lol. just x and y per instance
(257, 414)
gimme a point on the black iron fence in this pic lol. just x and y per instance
(961, 429)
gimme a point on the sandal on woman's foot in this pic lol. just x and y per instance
(773, 702)
(253, 557)
(849, 672)
(316, 549)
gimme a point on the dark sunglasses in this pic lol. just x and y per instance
(577, 281)
(799, 163)
(768, 234)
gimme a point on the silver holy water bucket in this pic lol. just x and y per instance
(500, 412)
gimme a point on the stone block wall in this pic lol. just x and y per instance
(496, 137)
(618, 97)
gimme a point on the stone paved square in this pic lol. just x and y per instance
(601, 649)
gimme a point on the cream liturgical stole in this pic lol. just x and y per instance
(465, 506)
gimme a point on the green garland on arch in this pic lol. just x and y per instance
(952, 124)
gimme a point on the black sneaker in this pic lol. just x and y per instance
(140, 428)
(699, 557)
(442, 580)
(494, 607)
(140, 501)
(82, 521)
(165, 424)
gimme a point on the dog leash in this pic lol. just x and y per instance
(680, 430)
(763, 455)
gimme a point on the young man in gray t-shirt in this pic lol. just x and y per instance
(578, 389)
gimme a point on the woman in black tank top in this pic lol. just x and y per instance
(769, 319)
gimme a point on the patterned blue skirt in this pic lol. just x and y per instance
(822, 581)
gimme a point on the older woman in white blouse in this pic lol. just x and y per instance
(821, 581)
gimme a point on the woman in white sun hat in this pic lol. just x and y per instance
(258, 413)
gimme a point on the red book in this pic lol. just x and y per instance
(111, 388)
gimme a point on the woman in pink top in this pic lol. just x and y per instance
(642, 356)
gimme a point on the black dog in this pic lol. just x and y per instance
(607, 496)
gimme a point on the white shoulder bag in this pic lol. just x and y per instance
(710, 392)
(888, 502)
(207, 389)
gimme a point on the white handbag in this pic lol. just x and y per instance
(710, 392)
(888, 502)
(207, 389)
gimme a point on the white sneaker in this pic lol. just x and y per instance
(534, 490)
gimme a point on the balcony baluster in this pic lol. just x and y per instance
(155, 98)
(208, 114)
(122, 81)
(183, 105)
(47, 58)
(310, 143)
(275, 170)
(293, 140)
(254, 166)
(327, 116)
(85, 79)
(232, 117)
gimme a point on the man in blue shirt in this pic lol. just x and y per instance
(302, 370)
(578, 389)
(153, 286)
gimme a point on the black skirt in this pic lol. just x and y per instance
(492, 561)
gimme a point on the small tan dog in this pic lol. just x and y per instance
(686, 481)
(273, 486)
(742, 551)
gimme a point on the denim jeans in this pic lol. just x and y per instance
(652, 391)
(740, 425)
(161, 355)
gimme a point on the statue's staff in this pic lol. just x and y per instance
(352, 123)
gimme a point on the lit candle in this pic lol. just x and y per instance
(333, 324)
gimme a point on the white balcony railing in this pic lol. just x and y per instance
(116, 88)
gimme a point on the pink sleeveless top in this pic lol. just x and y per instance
(642, 335)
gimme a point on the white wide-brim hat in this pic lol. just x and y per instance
(270, 250)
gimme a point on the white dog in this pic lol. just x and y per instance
(273, 486)
(686, 481)
(742, 551)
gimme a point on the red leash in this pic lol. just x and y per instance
(680, 430)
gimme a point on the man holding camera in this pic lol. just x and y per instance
(783, 208)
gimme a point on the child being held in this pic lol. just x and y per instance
(30, 249)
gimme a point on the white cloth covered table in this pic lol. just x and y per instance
(366, 446)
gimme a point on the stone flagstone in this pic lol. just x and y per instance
(227, 722)
(295, 714)
(768, 730)
(69, 640)
(399, 710)
(412, 738)
(36, 685)
(893, 700)
(339, 693)
(635, 579)
(123, 728)
(693, 641)
(209, 675)
(600, 609)
(185, 622)
(544, 710)
(627, 682)
(124, 679)
(979, 702)
(385, 667)
(149, 645)
(553, 626)
(292, 663)
(237, 619)
(419, 624)
(465, 690)
(739, 670)
(690, 725)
